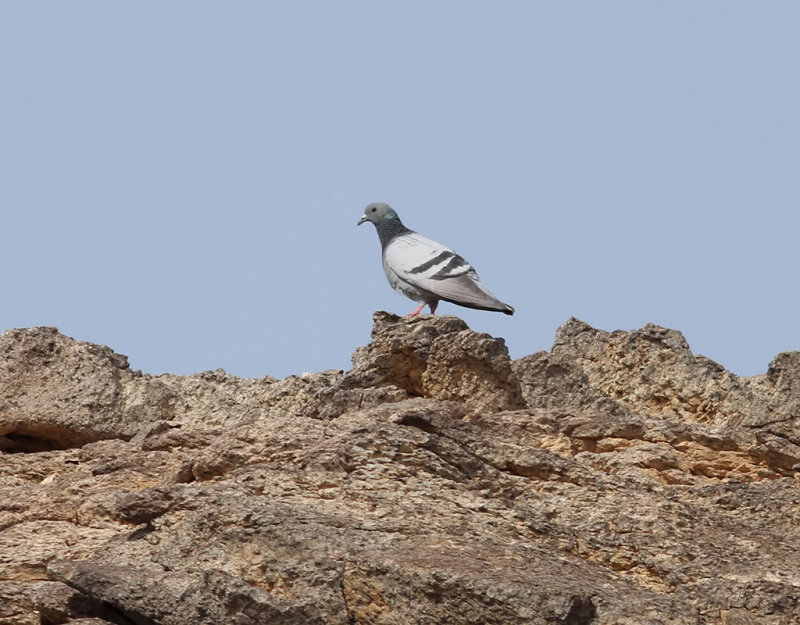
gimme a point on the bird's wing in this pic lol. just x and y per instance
(431, 266)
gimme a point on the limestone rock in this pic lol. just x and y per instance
(58, 392)
(617, 479)
(438, 357)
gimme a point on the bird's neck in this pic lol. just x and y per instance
(389, 230)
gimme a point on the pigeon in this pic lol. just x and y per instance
(424, 270)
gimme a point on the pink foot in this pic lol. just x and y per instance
(420, 307)
(416, 312)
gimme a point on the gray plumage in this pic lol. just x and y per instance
(424, 270)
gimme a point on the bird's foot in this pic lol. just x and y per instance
(416, 312)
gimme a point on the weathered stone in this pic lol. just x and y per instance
(618, 479)
(438, 357)
(57, 392)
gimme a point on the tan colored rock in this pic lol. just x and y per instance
(652, 370)
(58, 392)
(617, 479)
(438, 357)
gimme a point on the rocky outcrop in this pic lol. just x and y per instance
(618, 478)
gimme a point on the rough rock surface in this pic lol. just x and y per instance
(617, 479)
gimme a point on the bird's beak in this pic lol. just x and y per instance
(362, 220)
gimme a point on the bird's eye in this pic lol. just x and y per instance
(374, 209)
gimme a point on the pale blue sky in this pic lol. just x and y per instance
(181, 180)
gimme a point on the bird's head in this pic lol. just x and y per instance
(379, 213)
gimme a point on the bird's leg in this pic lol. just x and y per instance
(416, 312)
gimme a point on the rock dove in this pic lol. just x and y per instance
(424, 270)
